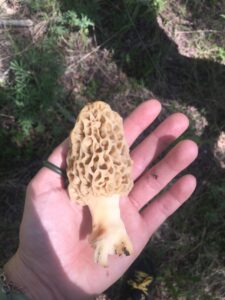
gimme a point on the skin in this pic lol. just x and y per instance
(54, 259)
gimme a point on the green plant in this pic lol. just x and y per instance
(44, 6)
(33, 93)
(34, 89)
(221, 53)
(22, 76)
(70, 21)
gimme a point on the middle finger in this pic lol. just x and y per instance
(168, 131)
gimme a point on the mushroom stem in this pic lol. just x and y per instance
(108, 235)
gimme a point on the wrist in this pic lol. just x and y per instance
(25, 280)
(37, 286)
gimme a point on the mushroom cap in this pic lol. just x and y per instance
(98, 160)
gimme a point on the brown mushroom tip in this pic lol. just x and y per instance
(98, 161)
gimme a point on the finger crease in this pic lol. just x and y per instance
(174, 196)
(134, 202)
(166, 161)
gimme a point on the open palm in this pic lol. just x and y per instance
(54, 232)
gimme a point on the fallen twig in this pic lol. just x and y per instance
(16, 23)
(199, 31)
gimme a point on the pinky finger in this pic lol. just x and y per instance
(166, 204)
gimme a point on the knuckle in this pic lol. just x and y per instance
(165, 209)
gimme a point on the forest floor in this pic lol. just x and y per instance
(123, 52)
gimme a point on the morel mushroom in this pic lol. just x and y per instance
(99, 173)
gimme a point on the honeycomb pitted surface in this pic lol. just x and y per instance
(98, 160)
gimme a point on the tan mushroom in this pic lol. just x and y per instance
(99, 173)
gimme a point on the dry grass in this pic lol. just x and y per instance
(196, 27)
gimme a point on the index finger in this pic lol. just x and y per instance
(140, 119)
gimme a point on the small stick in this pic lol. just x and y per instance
(16, 23)
(198, 31)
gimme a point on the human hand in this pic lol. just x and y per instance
(54, 259)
